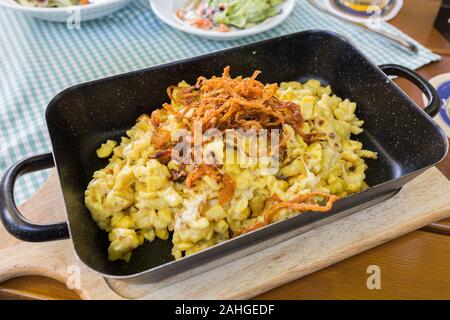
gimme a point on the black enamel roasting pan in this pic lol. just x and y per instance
(80, 118)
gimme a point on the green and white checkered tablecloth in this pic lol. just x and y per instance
(38, 59)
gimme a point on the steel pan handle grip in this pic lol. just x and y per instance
(432, 108)
(11, 217)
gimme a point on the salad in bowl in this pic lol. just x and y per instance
(53, 3)
(222, 19)
(62, 10)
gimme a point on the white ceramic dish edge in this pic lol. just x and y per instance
(165, 11)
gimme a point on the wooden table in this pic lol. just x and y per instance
(415, 266)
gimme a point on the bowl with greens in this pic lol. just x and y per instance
(69, 11)
(222, 19)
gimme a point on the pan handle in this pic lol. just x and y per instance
(12, 219)
(430, 92)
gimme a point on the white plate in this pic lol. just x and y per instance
(166, 9)
(87, 12)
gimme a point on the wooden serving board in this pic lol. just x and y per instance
(420, 202)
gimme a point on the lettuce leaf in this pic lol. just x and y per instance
(243, 13)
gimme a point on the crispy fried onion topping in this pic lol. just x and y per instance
(227, 191)
(301, 203)
(236, 103)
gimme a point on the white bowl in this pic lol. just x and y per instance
(87, 12)
(166, 9)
